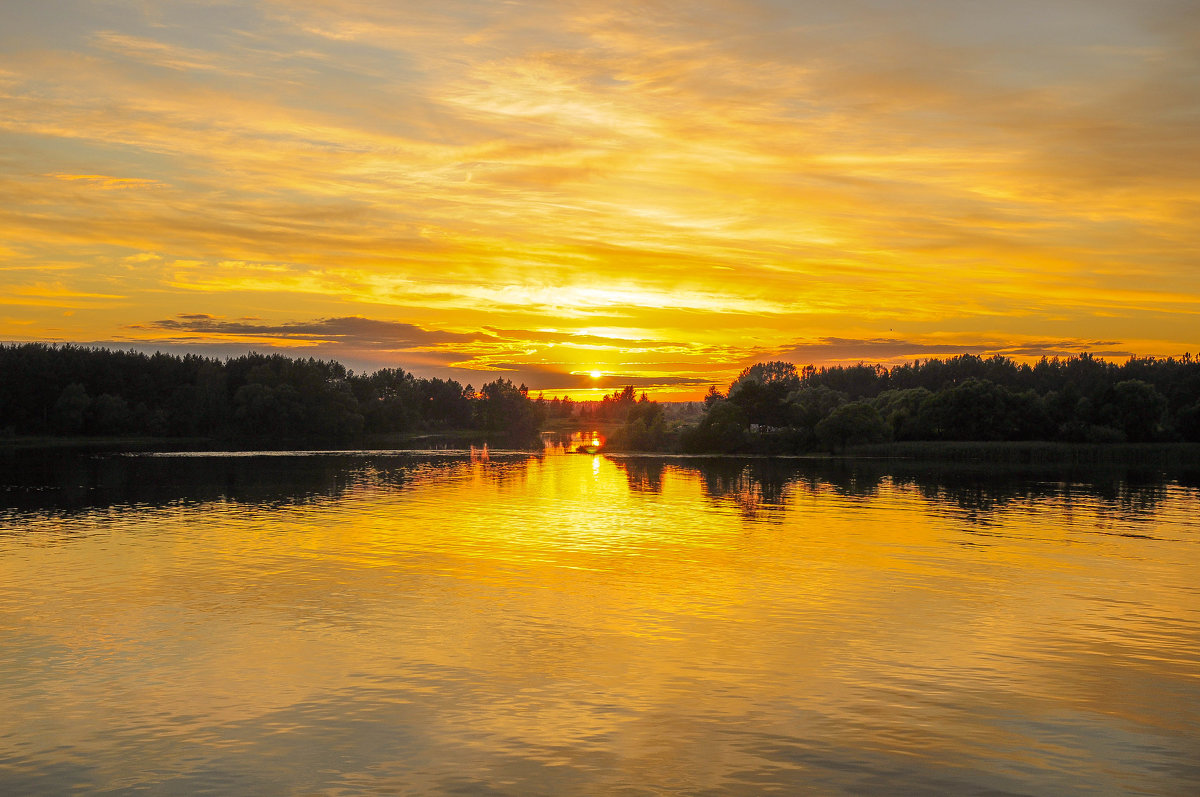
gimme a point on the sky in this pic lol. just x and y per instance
(657, 192)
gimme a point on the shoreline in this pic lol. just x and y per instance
(931, 453)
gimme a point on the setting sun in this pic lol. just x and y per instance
(597, 374)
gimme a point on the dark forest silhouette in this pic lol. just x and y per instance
(771, 407)
(775, 407)
(71, 391)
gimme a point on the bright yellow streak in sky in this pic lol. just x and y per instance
(674, 191)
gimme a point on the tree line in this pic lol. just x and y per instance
(72, 390)
(775, 407)
(771, 407)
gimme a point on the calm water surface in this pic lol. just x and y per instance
(346, 624)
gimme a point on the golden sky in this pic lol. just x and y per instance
(663, 192)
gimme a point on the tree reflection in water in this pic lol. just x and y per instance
(760, 487)
(66, 482)
(54, 481)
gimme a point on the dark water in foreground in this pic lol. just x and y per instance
(572, 624)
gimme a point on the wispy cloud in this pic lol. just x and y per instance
(107, 182)
(161, 54)
(891, 350)
(351, 331)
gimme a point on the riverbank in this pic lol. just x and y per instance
(114, 443)
(424, 440)
(1031, 452)
(1025, 454)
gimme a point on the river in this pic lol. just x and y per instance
(502, 623)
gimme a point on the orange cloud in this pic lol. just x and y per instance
(731, 175)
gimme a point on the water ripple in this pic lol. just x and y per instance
(430, 623)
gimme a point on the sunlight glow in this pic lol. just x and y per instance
(547, 186)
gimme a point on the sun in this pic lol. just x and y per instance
(597, 374)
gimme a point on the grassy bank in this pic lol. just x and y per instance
(455, 438)
(1035, 453)
(567, 426)
(463, 438)
(117, 443)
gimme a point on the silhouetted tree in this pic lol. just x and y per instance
(812, 403)
(70, 409)
(1187, 423)
(504, 407)
(644, 429)
(721, 430)
(901, 410)
(110, 415)
(1135, 408)
(761, 391)
(854, 423)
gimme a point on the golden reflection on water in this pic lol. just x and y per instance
(586, 624)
